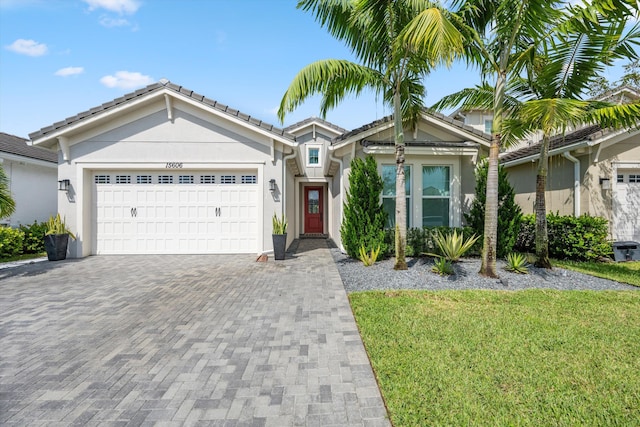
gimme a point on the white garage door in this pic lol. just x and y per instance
(176, 213)
(626, 206)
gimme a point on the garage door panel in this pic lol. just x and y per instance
(175, 214)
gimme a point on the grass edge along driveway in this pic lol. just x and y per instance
(535, 357)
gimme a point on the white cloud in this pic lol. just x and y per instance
(69, 71)
(108, 22)
(118, 6)
(126, 80)
(28, 47)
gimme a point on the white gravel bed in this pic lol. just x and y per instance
(381, 276)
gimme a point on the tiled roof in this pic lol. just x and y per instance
(435, 115)
(315, 119)
(18, 146)
(155, 87)
(588, 133)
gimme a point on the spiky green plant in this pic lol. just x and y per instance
(517, 263)
(442, 266)
(369, 258)
(453, 245)
(279, 224)
(57, 225)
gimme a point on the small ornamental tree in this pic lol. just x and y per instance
(509, 213)
(363, 218)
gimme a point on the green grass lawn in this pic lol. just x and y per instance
(624, 272)
(486, 358)
(22, 257)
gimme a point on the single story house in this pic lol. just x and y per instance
(164, 170)
(591, 171)
(33, 174)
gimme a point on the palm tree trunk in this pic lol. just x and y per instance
(542, 235)
(401, 198)
(490, 239)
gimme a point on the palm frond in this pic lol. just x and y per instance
(334, 79)
(7, 204)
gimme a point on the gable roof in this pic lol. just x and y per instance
(557, 143)
(17, 146)
(386, 122)
(308, 121)
(621, 94)
(161, 86)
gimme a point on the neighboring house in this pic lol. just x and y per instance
(32, 174)
(591, 171)
(166, 170)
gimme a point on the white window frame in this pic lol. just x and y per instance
(449, 197)
(408, 197)
(488, 122)
(314, 147)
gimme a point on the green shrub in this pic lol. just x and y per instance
(33, 237)
(364, 219)
(509, 213)
(442, 266)
(423, 240)
(11, 241)
(583, 238)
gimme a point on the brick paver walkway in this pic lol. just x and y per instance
(183, 340)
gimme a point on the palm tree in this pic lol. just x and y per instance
(501, 37)
(7, 204)
(569, 63)
(547, 98)
(397, 43)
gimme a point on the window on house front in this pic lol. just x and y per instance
(488, 124)
(436, 195)
(313, 156)
(207, 179)
(634, 179)
(620, 178)
(143, 179)
(123, 179)
(165, 179)
(185, 179)
(249, 179)
(389, 193)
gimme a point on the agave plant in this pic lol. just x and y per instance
(369, 258)
(517, 263)
(279, 224)
(453, 246)
(57, 225)
(443, 267)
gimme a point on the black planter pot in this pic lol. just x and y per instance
(56, 246)
(279, 245)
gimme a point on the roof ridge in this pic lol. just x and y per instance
(161, 84)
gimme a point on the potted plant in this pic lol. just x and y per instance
(56, 238)
(279, 236)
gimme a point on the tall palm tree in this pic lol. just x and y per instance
(7, 204)
(570, 61)
(545, 96)
(398, 42)
(501, 37)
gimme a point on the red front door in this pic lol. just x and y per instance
(313, 210)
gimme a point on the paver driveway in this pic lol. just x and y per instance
(173, 340)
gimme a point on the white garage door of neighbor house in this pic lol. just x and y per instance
(175, 213)
(626, 206)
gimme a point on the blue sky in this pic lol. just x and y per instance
(61, 57)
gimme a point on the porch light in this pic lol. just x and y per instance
(272, 185)
(605, 183)
(63, 185)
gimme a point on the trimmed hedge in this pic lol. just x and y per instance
(11, 242)
(583, 238)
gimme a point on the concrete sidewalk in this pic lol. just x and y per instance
(183, 340)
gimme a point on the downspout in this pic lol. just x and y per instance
(341, 163)
(576, 182)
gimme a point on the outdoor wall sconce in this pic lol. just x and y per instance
(272, 185)
(63, 185)
(605, 183)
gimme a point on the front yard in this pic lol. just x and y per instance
(534, 357)
(623, 272)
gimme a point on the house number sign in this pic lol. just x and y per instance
(173, 165)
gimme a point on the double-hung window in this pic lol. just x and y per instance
(389, 193)
(313, 156)
(436, 195)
